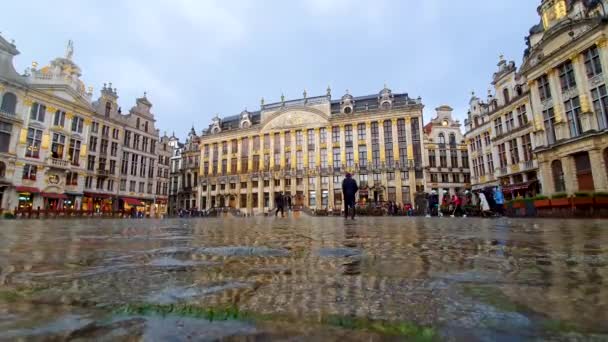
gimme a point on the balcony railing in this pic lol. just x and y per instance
(529, 164)
(60, 163)
(103, 172)
(504, 170)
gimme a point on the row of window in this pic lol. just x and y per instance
(509, 121)
(311, 139)
(445, 178)
(105, 130)
(508, 151)
(138, 163)
(140, 142)
(443, 158)
(572, 105)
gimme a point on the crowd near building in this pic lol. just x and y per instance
(61, 150)
(543, 128)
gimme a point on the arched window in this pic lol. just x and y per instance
(476, 119)
(441, 138)
(452, 139)
(2, 169)
(9, 103)
(146, 126)
(519, 91)
(137, 123)
(505, 93)
(558, 176)
(108, 108)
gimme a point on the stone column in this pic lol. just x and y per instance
(368, 142)
(588, 120)
(250, 155)
(210, 159)
(262, 153)
(569, 170)
(229, 169)
(239, 166)
(410, 155)
(342, 146)
(220, 157)
(598, 170)
(282, 148)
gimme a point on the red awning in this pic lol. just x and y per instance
(132, 201)
(518, 186)
(161, 200)
(29, 189)
(54, 195)
(96, 195)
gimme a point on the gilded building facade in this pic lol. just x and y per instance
(60, 149)
(566, 65)
(304, 147)
(499, 134)
(447, 169)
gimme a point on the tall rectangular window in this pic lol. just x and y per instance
(486, 138)
(465, 159)
(266, 143)
(600, 105)
(566, 76)
(58, 146)
(336, 158)
(361, 132)
(335, 134)
(59, 118)
(363, 156)
(522, 117)
(490, 160)
(134, 159)
(77, 124)
(299, 138)
(310, 137)
(33, 141)
(514, 151)
(375, 133)
(573, 111)
(432, 158)
(324, 158)
(502, 155)
(509, 122)
(350, 158)
(323, 135)
(74, 152)
(454, 158)
(443, 158)
(593, 65)
(401, 134)
(311, 159)
(256, 144)
(498, 126)
(543, 87)
(549, 120)
(29, 172)
(348, 133)
(37, 112)
(6, 130)
(299, 160)
(526, 143)
(91, 163)
(388, 132)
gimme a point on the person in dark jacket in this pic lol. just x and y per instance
(279, 202)
(349, 190)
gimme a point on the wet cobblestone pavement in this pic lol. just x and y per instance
(305, 279)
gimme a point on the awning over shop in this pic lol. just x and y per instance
(29, 189)
(69, 193)
(161, 201)
(96, 195)
(132, 201)
(518, 186)
(54, 195)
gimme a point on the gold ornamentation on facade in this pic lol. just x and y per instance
(28, 102)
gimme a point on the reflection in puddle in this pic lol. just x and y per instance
(471, 278)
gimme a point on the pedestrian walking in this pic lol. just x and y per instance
(483, 203)
(279, 202)
(349, 191)
(499, 198)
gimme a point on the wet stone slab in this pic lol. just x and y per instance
(372, 279)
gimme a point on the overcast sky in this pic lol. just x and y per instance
(200, 58)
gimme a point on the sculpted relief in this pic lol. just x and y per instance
(295, 119)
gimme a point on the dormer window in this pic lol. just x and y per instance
(348, 110)
(386, 105)
(146, 126)
(505, 94)
(137, 123)
(108, 108)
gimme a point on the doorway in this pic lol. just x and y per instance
(584, 175)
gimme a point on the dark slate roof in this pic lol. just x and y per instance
(370, 103)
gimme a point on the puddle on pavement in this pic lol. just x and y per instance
(465, 279)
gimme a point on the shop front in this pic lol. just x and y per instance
(97, 202)
(54, 201)
(134, 207)
(73, 201)
(26, 196)
(161, 207)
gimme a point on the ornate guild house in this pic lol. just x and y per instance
(305, 147)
